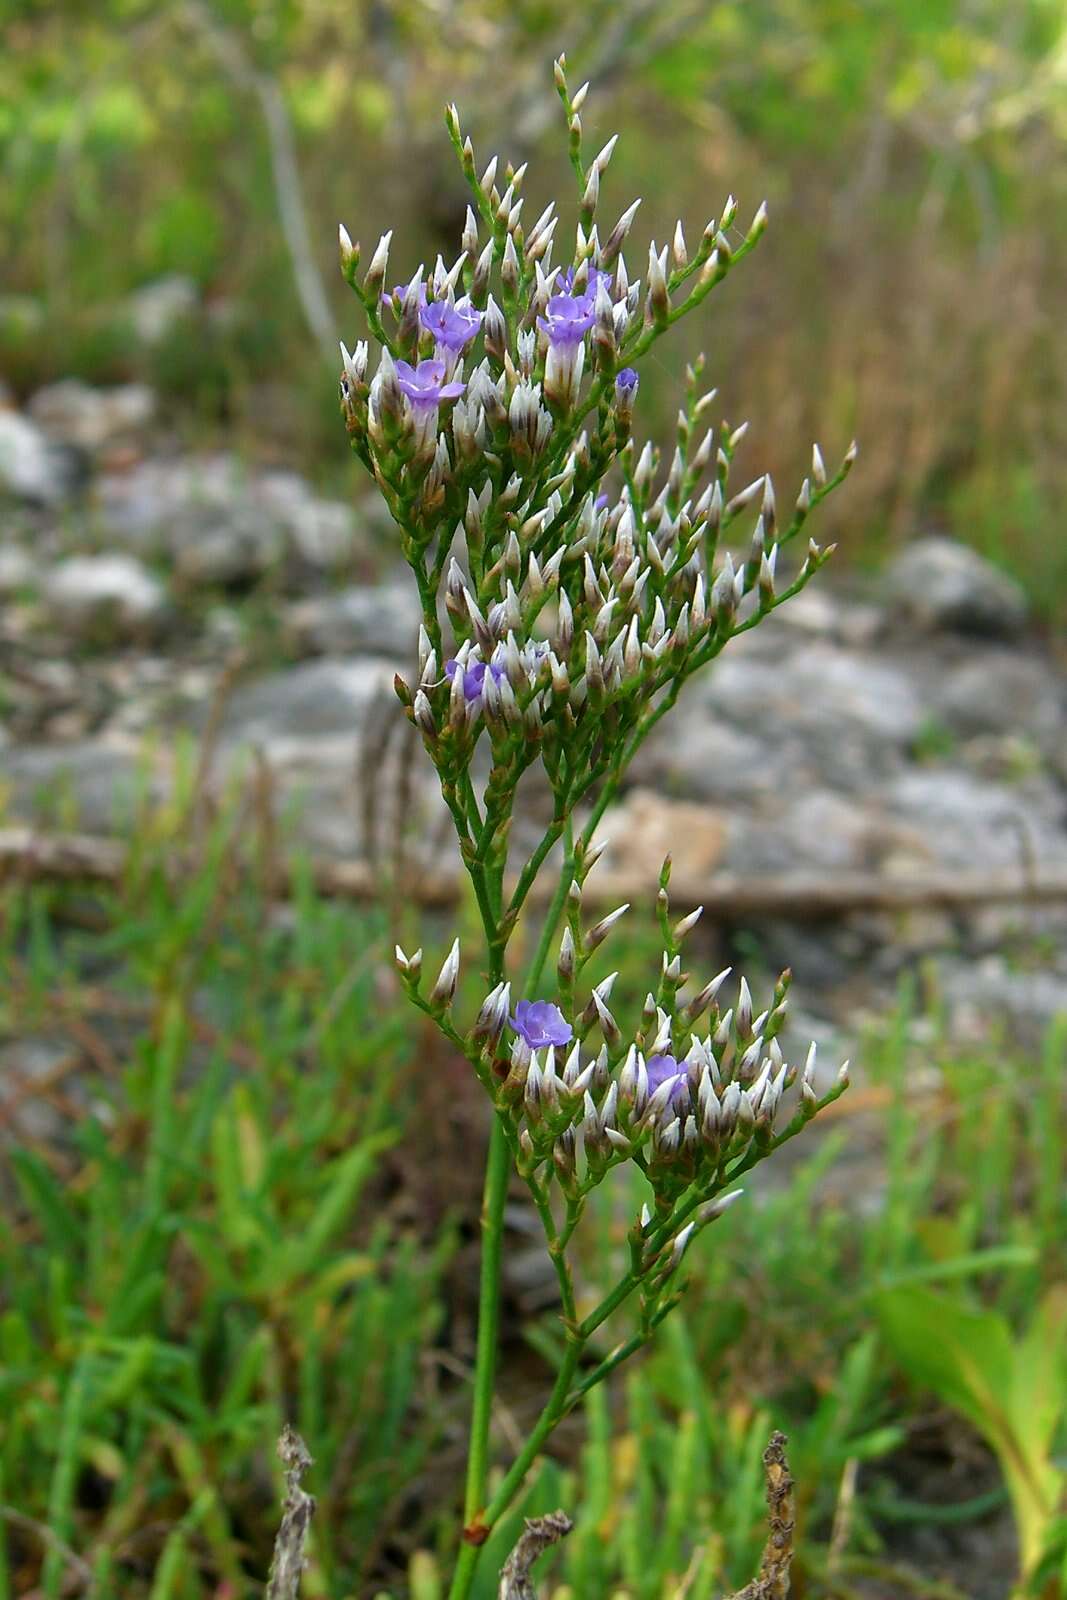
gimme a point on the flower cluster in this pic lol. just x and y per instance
(571, 582)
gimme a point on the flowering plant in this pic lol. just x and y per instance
(500, 407)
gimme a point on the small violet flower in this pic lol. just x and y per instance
(565, 282)
(425, 384)
(662, 1068)
(473, 677)
(541, 1023)
(400, 290)
(452, 326)
(569, 319)
(626, 382)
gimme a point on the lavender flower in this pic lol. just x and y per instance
(473, 677)
(662, 1068)
(452, 326)
(540, 1023)
(425, 384)
(569, 319)
(626, 381)
(565, 281)
(399, 291)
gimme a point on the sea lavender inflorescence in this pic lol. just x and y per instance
(583, 581)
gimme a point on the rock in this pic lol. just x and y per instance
(992, 994)
(160, 307)
(33, 467)
(93, 785)
(18, 571)
(956, 820)
(1000, 692)
(827, 716)
(222, 525)
(939, 584)
(213, 546)
(309, 726)
(316, 700)
(322, 532)
(645, 828)
(373, 619)
(76, 413)
(108, 599)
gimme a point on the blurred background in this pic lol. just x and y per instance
(173, 176)
(233, 1165)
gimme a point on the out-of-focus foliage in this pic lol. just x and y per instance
(911, 291)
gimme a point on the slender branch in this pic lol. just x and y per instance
(299, 1508)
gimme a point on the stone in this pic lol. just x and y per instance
(321, 532)
(76, 413)
(1000, 691)
(220, 546)
(93, 784)
(957, 820)
(156, 310)
(221, 524)
(372, 619)
(35, 468)
(321, 699)
(939, 584)
(645, 828)
(106, 599)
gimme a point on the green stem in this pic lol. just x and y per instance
(497, 1173)
(548, 931)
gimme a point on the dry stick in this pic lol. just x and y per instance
(537, 1536)
(773, 1580)
(32, 857)
(299, 1508)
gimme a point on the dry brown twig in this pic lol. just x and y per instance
(298, 1510)
(537, 1536)
(773, 1580)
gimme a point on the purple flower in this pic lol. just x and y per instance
(400, 290)
(452, 327)
(626, 382)
(601, 501)
(565, 281)
(569, 319)
(473, 677)
(424, 385)
(662, 1068)
(541, 1023)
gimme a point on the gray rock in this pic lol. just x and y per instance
(991, 994)
(373, 619)
(35, 468)
(88, 784)
(212, 545)
(843, 717)
(939, 584)
(76, 413)
(222, 525)
(307, 703)
(160, 307)
(957, 820)
(321, 532)
(106, 599)
(1000, 692)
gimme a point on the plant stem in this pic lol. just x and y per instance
(497, 1173)
(548, 931)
